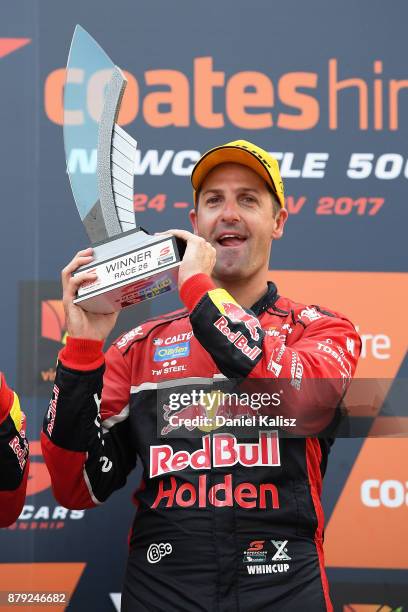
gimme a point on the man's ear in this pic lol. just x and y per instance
(280, 221)
(193, 220)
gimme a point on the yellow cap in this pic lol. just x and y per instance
(245, 153)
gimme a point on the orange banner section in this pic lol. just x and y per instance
(373, 301)
(368, 527)
(42, 578)
(8, 45)
(52, 320)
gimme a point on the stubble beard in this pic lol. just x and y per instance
(232, 268)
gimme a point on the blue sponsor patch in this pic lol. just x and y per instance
(172, 351)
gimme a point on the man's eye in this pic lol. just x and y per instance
(213, 200)
(248, 199)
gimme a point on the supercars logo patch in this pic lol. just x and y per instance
(255, 553)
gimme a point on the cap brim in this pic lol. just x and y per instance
(226, 154)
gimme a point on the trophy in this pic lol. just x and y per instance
(130, 264)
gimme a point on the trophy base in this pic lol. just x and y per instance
(130, 269)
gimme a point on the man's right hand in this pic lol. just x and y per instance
(80, 323)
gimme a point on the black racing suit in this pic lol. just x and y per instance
(222, 523)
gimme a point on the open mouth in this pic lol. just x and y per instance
(231, 240)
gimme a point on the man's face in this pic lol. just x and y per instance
(235, 214)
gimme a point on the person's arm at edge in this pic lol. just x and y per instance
(14, 462)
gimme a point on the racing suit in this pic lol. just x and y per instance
(210, 533)
(14, 463)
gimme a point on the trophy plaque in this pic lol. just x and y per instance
(131, 265)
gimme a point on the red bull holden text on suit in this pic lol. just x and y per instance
(222, 524)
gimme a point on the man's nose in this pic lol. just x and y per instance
(230, 211)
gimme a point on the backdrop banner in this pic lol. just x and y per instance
(324, 87)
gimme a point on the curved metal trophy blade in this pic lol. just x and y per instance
(100, 155)
(130, 265)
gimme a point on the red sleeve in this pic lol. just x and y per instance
(85, 438)
(82, 354)
(12, 502)
(14, 463)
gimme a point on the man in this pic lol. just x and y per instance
(14, 463)
(214, 530)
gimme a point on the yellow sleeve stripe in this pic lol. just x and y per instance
(16, 413)
(219, 297)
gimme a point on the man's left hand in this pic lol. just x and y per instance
(199, 257)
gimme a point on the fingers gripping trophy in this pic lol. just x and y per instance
(125, 265)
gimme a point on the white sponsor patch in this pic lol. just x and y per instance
(133, 333)
(274, 367)
(268, 568)
(156, 552)
(281, 550)
(350, 346)
(310, 313)
(116, 600)
(296, 371)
